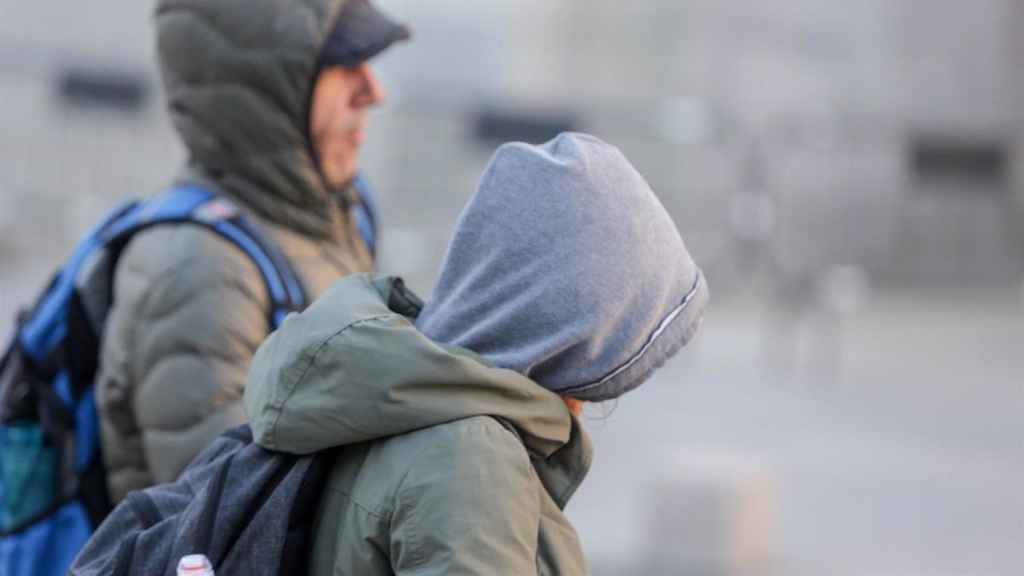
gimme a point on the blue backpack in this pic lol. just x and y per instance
(53, 491)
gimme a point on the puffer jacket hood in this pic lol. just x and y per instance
(353, 368)
(238, 75)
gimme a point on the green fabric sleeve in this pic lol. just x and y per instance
(468, 506)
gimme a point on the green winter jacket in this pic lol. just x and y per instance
(190, 308)
(447, 466)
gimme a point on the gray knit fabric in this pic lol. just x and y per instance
(566, 268)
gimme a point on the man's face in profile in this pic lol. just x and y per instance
(342, 98)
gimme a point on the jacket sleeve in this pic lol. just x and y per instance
(189, 312)
(468, 506)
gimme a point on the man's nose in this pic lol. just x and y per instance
(371, 91)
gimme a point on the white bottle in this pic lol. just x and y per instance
(195, 565)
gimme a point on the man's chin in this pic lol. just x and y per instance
(344, 185)
(341, 181)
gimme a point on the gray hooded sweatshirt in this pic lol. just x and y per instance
(566, 268)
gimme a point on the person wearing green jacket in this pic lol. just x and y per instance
(458, 424)
(271, 99)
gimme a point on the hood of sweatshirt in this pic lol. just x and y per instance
(566, 268)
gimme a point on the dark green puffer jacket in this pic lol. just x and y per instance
(190, 309)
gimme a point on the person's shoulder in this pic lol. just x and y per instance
(187, 252)
(464, 435)
(458, 447)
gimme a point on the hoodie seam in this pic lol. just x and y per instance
(417, 555)
(663, 328)
(377, 515)
(278, 408)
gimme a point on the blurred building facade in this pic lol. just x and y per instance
(885, 131)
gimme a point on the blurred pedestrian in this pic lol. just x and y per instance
(270, 98)
(566, 282)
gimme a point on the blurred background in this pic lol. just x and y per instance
(848, 174)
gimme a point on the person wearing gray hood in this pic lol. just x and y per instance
(566, 281)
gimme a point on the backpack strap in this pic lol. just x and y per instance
(366, 213)
(201, 207)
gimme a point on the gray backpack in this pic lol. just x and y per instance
(248, 509)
